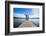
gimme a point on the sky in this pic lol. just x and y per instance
(22, 11)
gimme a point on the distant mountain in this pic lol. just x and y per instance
(23, 18)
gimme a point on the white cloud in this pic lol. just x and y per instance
(19, 15)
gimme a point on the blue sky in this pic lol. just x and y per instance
(22, 11)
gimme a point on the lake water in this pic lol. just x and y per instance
(17, 22)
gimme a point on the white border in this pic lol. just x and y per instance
(24, 29)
